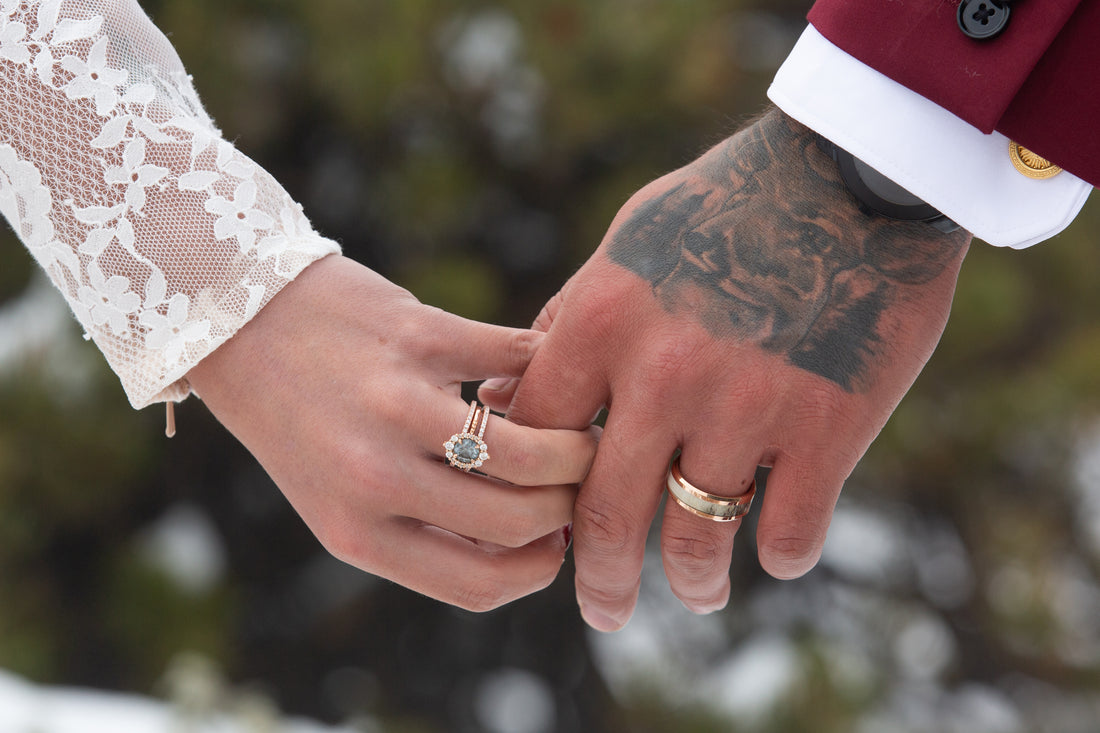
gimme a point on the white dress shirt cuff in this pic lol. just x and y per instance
(952, 165)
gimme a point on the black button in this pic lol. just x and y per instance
(983, 19)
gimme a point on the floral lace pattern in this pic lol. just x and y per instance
(163, 238)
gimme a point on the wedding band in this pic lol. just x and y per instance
(467, 450)
(704, 504)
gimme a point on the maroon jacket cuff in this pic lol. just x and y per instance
(1038, 81)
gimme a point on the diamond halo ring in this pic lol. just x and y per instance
(467, 450)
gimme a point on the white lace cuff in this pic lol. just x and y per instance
(163, 238)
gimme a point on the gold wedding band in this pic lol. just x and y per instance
(704, 504)
(467, 450)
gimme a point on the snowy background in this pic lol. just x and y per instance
(149, 585)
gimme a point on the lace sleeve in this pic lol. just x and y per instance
(163, 238)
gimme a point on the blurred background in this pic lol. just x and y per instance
(475, 152)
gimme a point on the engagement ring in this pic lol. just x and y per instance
(467, 450)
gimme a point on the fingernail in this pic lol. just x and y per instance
(598, 620)
(704, 609)
(567, 533)
(496, 384)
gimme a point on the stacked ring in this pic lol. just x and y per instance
(467, 449)
(704, 504)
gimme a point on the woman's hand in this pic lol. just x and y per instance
(345, 388)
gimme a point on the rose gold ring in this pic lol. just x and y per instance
(467, 449)
(703, 503)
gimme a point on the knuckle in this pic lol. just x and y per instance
(824, 426)
(522, 347)
(600, 307)
(544, 458)
(390, 406)
(412, 331)
(692, 558)
(519, 528)
(601, 320)
(818, 407)
(346, 546)
(668, 361)
(524, 459)
(603, 530)
(824, 412)
(540, 580)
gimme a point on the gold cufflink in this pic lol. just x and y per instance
(1031, 164)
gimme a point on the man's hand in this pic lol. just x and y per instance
(743, 310)
(345, 388)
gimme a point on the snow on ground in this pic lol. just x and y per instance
(29, 708)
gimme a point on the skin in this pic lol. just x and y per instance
(744, 310)
(345, 387)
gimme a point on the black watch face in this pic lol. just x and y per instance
(878, 193)
(883, 187)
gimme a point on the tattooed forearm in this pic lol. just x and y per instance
(764, 241)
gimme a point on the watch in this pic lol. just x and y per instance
(877, 194)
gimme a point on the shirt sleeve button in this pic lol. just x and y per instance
(982, 19)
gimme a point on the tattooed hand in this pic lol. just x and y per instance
(744, 310)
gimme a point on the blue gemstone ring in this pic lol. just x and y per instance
(467, 450)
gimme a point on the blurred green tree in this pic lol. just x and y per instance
(475, 152)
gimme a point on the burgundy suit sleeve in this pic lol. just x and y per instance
(1037, 82)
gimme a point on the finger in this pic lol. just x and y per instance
(454, 570)
(482, 508)
(518, 454)
(470, 350)
(695, 550)
(611, 519)
(562, 387)
(498, 392)
(795, 516)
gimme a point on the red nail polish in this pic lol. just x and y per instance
(567, 533)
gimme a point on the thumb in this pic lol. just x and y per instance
(549, 313)
(499, 392)
(563, 387)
